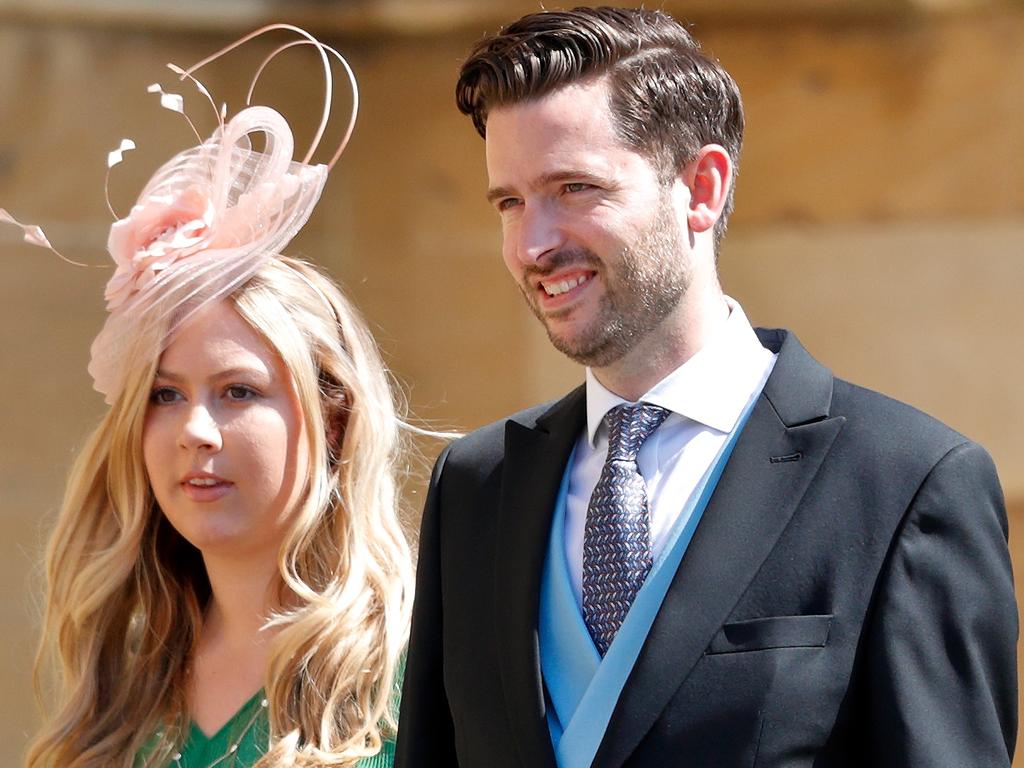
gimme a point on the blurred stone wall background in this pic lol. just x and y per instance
(880, 214)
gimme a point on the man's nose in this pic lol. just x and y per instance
(539, 232)
(200, 431)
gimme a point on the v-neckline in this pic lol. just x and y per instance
(199, 736)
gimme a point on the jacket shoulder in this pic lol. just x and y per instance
(893, 422)
(484, 448)
(890, 444)
(803, 391)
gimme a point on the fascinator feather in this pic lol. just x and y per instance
(208, 219)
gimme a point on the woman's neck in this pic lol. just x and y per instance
(241, 599)
(230, 659)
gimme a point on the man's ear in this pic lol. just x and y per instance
(708, 176)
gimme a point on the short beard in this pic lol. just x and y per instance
(642, 287)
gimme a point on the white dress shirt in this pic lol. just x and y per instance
(705, 397)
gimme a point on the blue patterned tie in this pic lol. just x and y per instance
(617, 536)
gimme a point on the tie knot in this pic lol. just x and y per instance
(629, 426)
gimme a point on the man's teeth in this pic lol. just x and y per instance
(557, 289)
(204, 482)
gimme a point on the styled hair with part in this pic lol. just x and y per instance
(126, 593)
(668, 98)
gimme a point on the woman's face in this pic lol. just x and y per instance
(224, 439)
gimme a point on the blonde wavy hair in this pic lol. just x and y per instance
(126, 593)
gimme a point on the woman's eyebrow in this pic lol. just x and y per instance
(168, 375)
(227, 373)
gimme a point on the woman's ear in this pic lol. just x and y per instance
(708, 176)
(336, 410)
(336, 431)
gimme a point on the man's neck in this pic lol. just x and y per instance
(659, 352)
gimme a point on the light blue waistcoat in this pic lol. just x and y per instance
(583, 688)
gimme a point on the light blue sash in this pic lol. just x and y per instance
(583, 688)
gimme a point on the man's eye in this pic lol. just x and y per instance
(577, 186)
(508, 202)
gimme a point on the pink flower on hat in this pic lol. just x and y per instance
(158, 231)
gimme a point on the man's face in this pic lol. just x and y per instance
(590, 233)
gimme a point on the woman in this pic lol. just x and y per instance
(228, 583)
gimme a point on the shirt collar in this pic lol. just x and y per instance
(712, 387)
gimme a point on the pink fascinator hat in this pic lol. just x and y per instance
(207, 221)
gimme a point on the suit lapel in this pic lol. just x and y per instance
(775, 459)
(535, 460)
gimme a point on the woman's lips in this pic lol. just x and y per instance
(205, 487)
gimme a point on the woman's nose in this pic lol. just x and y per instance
(200, 430)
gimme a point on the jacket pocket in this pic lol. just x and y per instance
(771, 632)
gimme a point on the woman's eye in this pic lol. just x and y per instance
(239, 392)
(164, 396)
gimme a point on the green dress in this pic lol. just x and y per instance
(249, 728)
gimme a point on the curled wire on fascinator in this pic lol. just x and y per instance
(207, 220)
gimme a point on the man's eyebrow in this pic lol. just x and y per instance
(570, 174)
(496, 193)
(553, 177)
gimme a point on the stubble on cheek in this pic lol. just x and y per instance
(641, 286)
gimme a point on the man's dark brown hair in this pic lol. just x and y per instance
(668, 99)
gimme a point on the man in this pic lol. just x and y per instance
(713, 553)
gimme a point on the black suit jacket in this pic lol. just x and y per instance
(847, 599)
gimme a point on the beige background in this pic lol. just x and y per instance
(880, 214)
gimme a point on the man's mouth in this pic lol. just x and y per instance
(558, 287)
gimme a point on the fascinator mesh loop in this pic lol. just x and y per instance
(206, 222)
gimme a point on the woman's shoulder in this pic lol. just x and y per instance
(383, 759)
(386, 757)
